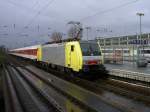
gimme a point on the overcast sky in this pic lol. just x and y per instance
(27, 22)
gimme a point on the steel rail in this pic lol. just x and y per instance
(95, 87)
(12, 102)
(105, 100)
(82, 83)
(138, 88)
(29, 99)
(131, 81)
(142, 77)
(127, 90)
(45, 90)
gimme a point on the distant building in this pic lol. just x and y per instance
(125, 48)
(125, 41)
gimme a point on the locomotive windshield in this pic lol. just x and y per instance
(90, 49)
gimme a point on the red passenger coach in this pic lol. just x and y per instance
(26, 52)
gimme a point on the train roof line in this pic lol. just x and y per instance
(61, 41)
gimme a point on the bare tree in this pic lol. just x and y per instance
(56, 36)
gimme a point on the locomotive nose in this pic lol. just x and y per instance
(92, 62)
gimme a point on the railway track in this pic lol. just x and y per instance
(47, 94)
(132, 81)
(138, 92)
(33, 102)
(125, 85)
(65, 90)
(105, 96)
(12, 102)
(22, 97)
(99, 89)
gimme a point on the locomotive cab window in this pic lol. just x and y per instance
(90, 49)
(72, 48)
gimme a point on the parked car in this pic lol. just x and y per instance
(141, 62)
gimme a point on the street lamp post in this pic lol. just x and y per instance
(140, 15)
(87, 28)
(98, 30)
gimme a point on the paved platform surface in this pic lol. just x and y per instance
(129, 66)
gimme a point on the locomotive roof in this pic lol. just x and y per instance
(88, 41)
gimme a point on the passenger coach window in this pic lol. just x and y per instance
(72, 48)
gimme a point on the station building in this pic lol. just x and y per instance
(124, 48)
(125, 41)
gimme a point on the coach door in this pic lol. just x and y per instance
(68, 55)
(72, 58)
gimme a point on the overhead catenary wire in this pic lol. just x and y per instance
(36, 4)
(109, 10)
(82, 19)
(38, 13)
(87, 5)
(20, 6)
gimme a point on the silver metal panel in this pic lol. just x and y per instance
(85, 58)
(54, 53)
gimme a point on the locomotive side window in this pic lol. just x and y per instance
(72, 48)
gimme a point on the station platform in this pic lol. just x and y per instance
(129, 66)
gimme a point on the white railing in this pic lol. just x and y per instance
(130, 74)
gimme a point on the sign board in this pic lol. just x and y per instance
(139, 42)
